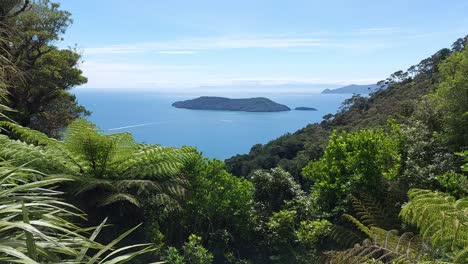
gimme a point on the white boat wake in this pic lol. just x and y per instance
(138, 125)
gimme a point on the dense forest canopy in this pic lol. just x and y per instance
(384, 180)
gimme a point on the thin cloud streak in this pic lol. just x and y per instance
(289, 41)
(378, 30)
(177, 52)
(191, 46)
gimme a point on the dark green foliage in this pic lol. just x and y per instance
(292, 152)
(274, 188)
(425, 156)
(40, 94)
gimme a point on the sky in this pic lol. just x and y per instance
(184, 44)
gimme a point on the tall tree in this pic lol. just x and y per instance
(451, 96)
(40, 97)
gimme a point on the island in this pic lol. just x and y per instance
(304, 108)
(257, 104)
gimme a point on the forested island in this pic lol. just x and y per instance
(304, 108)
(257, 104)
(383, 180)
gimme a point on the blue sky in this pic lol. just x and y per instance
(185, 44)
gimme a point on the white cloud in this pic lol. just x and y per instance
(191, 46)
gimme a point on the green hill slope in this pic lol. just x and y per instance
(398, 101)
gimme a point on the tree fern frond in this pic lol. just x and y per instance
(46, 159)
(372, 213)
(441, 219)
(120, 197)
(364, 229)
(344, 237)
(93, 184)
(27, 135)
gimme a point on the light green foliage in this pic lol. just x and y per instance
(281, 227)
(218, 205)
(309, 232)
(35, 224)
(216, 193)
(193, 253)
(354, 162)
(173, 256)
(451, 97)
(293, 240)
(274, 188)
(441, 219)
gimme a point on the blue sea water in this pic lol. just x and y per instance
(150, 118)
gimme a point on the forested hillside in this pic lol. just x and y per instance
(384, 180)
(404, 100)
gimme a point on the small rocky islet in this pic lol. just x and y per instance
(304, 108)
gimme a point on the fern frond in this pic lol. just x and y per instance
(46, 159)
(440, 218)
(372, 213)
(344, 237)
(27, 135)
(364, 229)
(120, 197)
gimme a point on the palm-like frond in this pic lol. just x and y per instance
(35, 227)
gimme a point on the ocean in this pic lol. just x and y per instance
(149, 116)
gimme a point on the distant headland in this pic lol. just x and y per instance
(257, 104)
(354, 89)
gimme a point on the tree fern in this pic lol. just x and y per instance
(113, 166)
(443, 224)
(440, 218)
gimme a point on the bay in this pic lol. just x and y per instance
(149, 116)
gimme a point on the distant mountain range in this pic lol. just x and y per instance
(353, 89)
